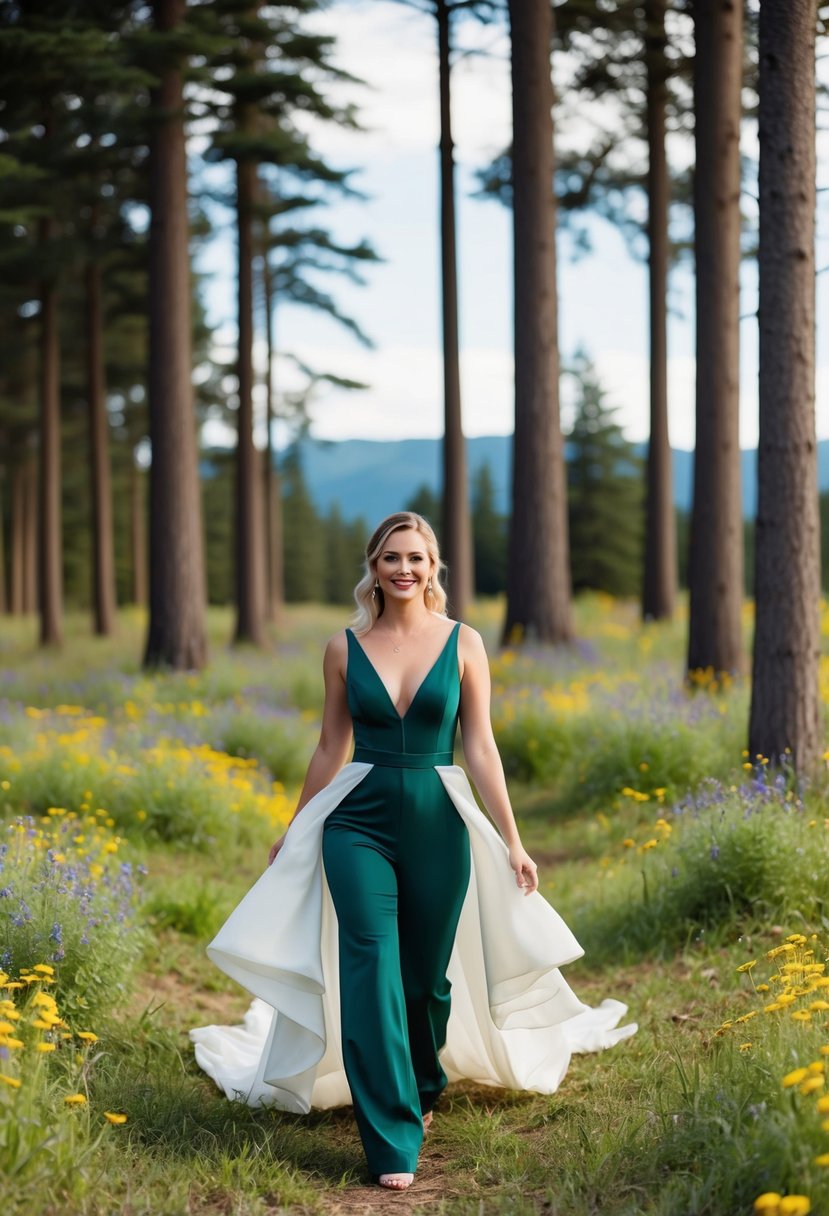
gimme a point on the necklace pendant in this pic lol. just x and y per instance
(396, 649)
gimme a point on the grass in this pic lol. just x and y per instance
(602, 744)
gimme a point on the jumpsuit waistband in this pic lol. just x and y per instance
(372, 755)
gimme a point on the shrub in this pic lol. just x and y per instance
(68, 900)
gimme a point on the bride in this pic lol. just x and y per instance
(397, 940)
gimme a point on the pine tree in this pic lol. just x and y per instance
(177, 634)
(490, 535)
(604, 494)
(305, 552)
(715, 633)
(538, 571)
(785, 699)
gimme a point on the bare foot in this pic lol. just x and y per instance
(396, 1182)
(427, 1121)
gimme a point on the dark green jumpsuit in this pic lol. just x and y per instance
(396, 857)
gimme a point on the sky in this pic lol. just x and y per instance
(602, 296)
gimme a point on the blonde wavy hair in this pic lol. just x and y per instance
(369, 599)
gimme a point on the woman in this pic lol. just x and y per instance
(392, 831)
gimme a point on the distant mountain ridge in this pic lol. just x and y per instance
(371, 478)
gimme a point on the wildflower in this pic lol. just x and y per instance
(747, 966)
(746, 1046)
(87, 1036)
(801, 1015)
(628, 843)
(12, 1081)
(823, 1106)
(819, 1006)
(794, 1078)
(45, 1047)
(795, 1205)
(44, 968)
(823, 1159)
(114, 1117)
(75, 1099)
(811, 1085)
(768, 1203)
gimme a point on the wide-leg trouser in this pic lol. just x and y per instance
(396, 857)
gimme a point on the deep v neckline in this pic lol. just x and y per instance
(381, 682)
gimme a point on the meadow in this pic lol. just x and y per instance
(137, 809)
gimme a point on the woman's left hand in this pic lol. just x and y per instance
(526, 871)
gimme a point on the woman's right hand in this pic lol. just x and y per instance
(275, 847)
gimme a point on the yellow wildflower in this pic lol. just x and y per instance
(8, 1041)
(747, 966)
(87, 1036)
(801, 1015)
(768, 1203)
(823, 1159)
(819, 1006)
(114, 1117)
(823, 1106)
(45, 1047)
(12, 1081)
(44, 967)
(811, 1085)
(746, 1046)
(795, 1205)
(75, 1099)
(794, 1078)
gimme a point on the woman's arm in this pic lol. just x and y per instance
(481, 753)
(334, 743)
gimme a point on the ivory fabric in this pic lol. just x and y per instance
(514, 1023)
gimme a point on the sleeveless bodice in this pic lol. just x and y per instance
(422, 737)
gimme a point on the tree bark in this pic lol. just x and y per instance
(538, 568)
(715, 574)
(659, 591)
(250, 549)
(785, 703)
(31, 511)
(50, 540)
(17, 537)
(138, 535)
(176, 636)
(103, 553)
(4, 597)
(456, 540)
(273, 493)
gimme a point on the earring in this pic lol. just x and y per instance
(429, 590)
(374, 589)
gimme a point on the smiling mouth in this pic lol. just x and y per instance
(403, 582)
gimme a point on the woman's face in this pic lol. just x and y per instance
(403, 567)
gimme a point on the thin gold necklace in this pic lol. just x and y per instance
(411, 638)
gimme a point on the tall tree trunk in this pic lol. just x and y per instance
(31, 531)
(716, 551)
(103, 554)
(138, 535)
(176, 635)
(273, 492)
(250, 549)
(18, 537)
(4, 597)
(50, 539)
(538, 568)
(456, 540)
(659, 592)
(785, 701)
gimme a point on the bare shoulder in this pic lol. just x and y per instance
(336, 651)
(471, 645)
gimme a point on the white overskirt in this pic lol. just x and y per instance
(514, 1020)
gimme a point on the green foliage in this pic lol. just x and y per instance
(730, 858)
(66, 900)
(489, 532)
(604, 494)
